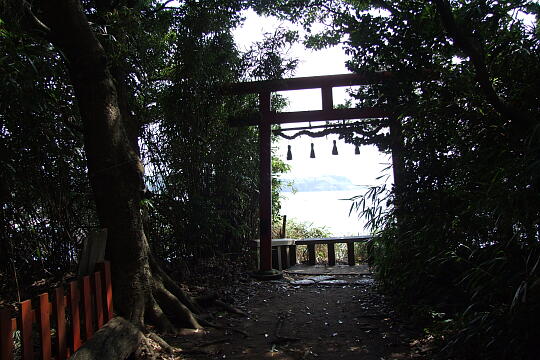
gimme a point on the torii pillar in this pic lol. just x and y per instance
(268, 117)
(265, 191)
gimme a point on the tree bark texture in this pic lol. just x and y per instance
(142, 290)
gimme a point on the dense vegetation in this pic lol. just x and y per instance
(201, 174)
(460, 238)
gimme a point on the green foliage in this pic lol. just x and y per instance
(462, 236)
(46, 207)
(295, 229)
(278, 167)
(371, 206)
(470, 184)
(300, 229)
(268, 57)
(205, 174)
(201, 173)
(459, 236)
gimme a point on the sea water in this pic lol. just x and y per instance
(325, 208)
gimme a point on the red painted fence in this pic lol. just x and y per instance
(54, 328)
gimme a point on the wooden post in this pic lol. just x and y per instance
(6, 335)
(331, 254)
(105, 270)
(75, 315)
(265, 183)
(284, 227)
(45, 326)
(87, 307)
(350, 252)
(285, 260)
(60, 313)
(327, 100)
(311, 254)
(93, 251)
(292, 254)
(290, 250)
(99, 300)
(264, 89)
(26, 330)
(276, 258)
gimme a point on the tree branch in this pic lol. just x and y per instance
(38, 23)
(161, 6)
(471, 47)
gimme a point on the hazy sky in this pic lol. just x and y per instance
(361, 169)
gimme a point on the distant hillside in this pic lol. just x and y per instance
(320, 183)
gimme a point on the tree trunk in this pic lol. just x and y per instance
(142, 290)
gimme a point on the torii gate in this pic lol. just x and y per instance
(268, 117)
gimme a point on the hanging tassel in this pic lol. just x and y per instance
(334, 149)
(356, 150)
(289, 153)
(312, 155)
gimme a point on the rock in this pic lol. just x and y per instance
(320, 278)
(303, 282)
(115, 340)
(365, 281)
(333, 282)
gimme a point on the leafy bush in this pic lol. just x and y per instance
(461, 235)
(201, 173)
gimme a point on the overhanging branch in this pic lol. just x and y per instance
(472, 48)
(38, 23)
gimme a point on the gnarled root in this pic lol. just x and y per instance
(119, 339)
(159, 302)
(168, 307)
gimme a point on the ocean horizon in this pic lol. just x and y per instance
(324, 208)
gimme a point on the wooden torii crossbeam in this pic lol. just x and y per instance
(268, 117)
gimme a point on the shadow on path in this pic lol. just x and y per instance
(327, 317)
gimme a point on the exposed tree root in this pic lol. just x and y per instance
(165, 347)
(174, 309)
(171, 308)
(120, 339)
(167, 309)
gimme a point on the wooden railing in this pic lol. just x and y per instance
(57, 324)
(285, 249)
(330, 242)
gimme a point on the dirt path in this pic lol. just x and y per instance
(350, 320)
